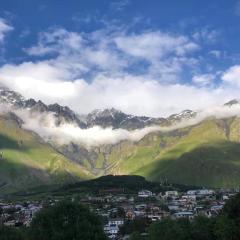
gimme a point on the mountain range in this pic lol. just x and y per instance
(203, 153)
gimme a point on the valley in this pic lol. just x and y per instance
(203, 154)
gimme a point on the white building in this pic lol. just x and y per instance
(190, 197)
(116, 221)
(205, 192)
(112, 227)
(145, 193)
(184, 214)
(192, 192)
(202, 192)
(171, 193)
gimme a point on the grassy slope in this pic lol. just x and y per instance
(204, 155)
(27, 162)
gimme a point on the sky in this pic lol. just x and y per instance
(151, 58)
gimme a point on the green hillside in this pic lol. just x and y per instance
(25, 161)
(207, 154)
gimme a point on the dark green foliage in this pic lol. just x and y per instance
(135, 236)
(228, 223)
(123, 183)
(9, 233)
(126, 183)
(119, 213)
(66, 221)
(226, 229)
(232, 208)
(136, 225)
(72, 221)
(168, 229)
(202, 228)
(6, 142)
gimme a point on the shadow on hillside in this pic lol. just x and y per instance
(214, 165)
(22, 179)
(8, 143)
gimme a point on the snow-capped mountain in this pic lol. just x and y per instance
(232, 102)
(62, 113)
(184, 115)
(117, 119)
(104, 118)
(123, 154)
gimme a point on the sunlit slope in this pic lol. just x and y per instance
(207, 154)
(25, 161)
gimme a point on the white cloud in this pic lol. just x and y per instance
(204, 79)
(37, 80)
(104, 69)
(44, 125)
(56, 41)
(166, 54)
(216, 53)
(119, 5)
(4, 29)
(232, 75)
(155, 45)
(237, 8)
(129, 93)
(79, 51)
(114, 52)
(206, 35)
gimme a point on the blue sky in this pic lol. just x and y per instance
(143, 57)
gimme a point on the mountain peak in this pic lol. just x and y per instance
(184, 115)
(105, 111)
(232, 102)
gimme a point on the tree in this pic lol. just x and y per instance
(66, 221)
(1, 216)
(9, 233)
(226, 229)
(168, 229)
(136, 225)
(228, 223)
(135, 236)
(120, 212)
(232, 208)
(202, 228)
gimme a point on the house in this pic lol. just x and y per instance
(111, 230)
(205, 192)
(130, 214)
(184, 214)
(216, 208)
(154, 217)
(201, 192)
(225, 197)
(10, 223)
(112, 227)
(116, 221)
(140, 213)
(145, 193)
(191, 197)
(171, 193)
(173, 207)
(192, 192)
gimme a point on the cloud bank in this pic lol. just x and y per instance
(140, 73)
(4, 29)
(44, 125)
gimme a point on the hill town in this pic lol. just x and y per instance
(120, 210)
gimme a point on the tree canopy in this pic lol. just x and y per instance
(66, 221)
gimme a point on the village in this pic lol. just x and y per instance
(122, 212)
